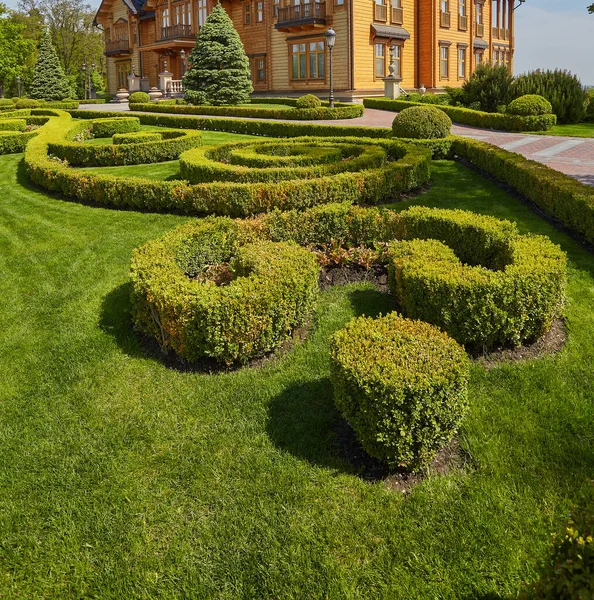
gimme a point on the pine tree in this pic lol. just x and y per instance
(49, 81)
(219, 70)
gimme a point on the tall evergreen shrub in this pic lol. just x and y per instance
(488, 86)
(219, 70)
(562, 89)
(49, 81)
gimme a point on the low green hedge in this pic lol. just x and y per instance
(14, 142)
(272, 290)
(169, 146)
(402, 385)
(13, 124)
(136, 137)
(475, 118)
(233, 199)
(202, 165)
(247, 126)
(485, 287)
(558, 195)
(321, 113)
(106, 127)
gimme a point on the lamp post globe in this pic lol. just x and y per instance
(330, 41)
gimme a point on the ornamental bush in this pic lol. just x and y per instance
(27, 103)
(48, 81)
(139, 98)
(109, 126)
(422, 122)
(180, 298)
(489, 85)
(13, 125)
(308, 101)
(137, 137)
(402, 385)
(530, 105)
(220, 70)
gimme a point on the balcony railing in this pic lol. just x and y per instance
(302, 14)
(117, 46)
(462, 22)
(175, 88)
(380, 12)
(173, 31)
(445, 19)
(397, 16)
(480, 30)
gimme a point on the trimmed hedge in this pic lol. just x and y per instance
(27, 103)
(167, 145)
(13, 124)
(558, 195)
(139, 98)
(13, 142)
(106, 127)
(530, 105)
(475, 118)
(224, 163)
(247, 126)
(422, 122)
(321, 113)
(482, 283)
(233, 199)
(402, 385)
(272, 290)
(136, 137)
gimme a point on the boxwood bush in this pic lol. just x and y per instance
(271, 290)
(139, 98)
(530, 105)
(422, 122)
(106, 127)
(13, 142)
(481, 282)
(308, 101)
(136, 137)
(28, 103)
(402, 385)
(13, 124)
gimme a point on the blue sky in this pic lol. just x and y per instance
(549, 34)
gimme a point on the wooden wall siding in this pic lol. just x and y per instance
(364, 55)
(426, 43)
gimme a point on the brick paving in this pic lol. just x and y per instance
(572, 156)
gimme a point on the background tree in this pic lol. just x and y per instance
(591, 8)
(488, 85)
(49, 81)
(15, 50)
(219, 70)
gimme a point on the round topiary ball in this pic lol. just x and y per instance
(139, 98)
(530, 105)
(402, 385)
(422, 122)
(308, 101)
(28, 103)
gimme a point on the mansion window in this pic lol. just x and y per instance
(397, 15)
(381, 11)
(183, 14)
(478, 57)
(380, 60)
(120, 31)
(462, 18)
(247, 13)
(123, 70)
(260, 70)
(276, 7)
(165, 17)
(444, 61)
(308, 60)
(259, 11)
(339, 2)
(444, 15)
(202, 12)
(461, 63)
(480, 30)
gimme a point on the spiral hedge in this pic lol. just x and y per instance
(404, 169)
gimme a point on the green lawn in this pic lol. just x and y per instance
(122, 478)
(577, 130)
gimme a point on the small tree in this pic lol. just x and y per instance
(489, 86)
(49, 81)
(219, 70)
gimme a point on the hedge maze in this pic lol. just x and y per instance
(232, 289)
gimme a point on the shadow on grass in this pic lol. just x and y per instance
(372, 303)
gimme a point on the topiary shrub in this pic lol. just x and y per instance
(530, 105)
(28, 103)
(308, 101)
(13, 125)
(107, 127)
(402, 385)
(422, 122)
(139, 98)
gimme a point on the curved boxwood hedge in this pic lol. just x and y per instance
(481, 282)
(402, 385)
(14, 142)
(270, 291)
(234, 199)
(136, 137)
(13, 125)
(168, 145)
(475, 118)
(106, 127)
(340, 111)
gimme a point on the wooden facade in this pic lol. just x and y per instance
(432, 43)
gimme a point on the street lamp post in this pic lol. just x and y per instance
(84, 70)
(18, 80)
(330, 41)
(91, 93)
(183, 62)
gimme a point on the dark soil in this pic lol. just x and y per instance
(343, 274)
(552, 342)
(449, 458)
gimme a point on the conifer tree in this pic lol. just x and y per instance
(49, 81)
(219, 70)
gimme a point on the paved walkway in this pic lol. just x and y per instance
(573, 156)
